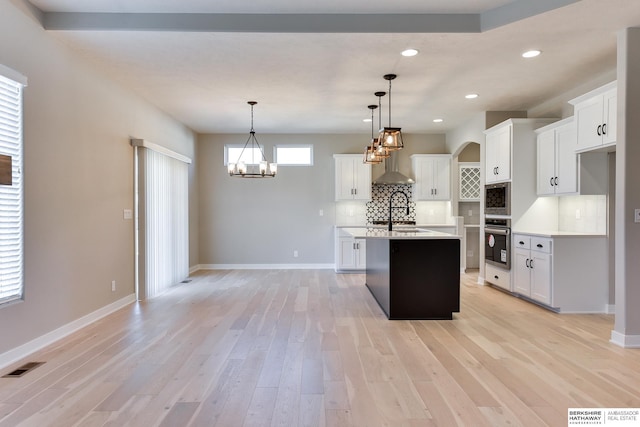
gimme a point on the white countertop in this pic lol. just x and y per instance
(398, 233)
(558, 234)
(399, 226)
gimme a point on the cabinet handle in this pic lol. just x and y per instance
(599, 130)
(526, 262)
(355, 191)
(495, 277)
(551, 181)
(435, 191)
(555, 181)
(530, 263)
(497, 170)
(432, 191)
(604, 129)
(539, 245)
(521, 242)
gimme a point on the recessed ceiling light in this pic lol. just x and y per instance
(531, 54)
(437, 120)
(409, 52)
(471, 96)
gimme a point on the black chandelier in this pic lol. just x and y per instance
(260, 169)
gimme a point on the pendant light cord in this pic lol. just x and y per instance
(389, 103)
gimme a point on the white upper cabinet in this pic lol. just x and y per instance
(353, 177)
(595, 114)
(498, 154)
(557, 161)
(432, 173)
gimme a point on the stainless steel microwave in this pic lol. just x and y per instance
(497, 199)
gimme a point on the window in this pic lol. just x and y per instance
(250, 156)
(11, 194)
(293, 155)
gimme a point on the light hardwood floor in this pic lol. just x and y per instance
(312, 348)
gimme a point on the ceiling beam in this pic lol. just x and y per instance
(518, 10)
(301, 23)
(264, 23)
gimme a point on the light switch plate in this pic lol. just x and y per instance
(127, 214)
(636, 216)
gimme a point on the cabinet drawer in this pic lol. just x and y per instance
(541, 244)
(521, 241)
(498, 276)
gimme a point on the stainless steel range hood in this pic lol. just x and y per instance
(392, 173)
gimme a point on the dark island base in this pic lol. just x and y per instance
(415, 279)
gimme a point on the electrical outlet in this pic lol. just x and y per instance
(470, 213)
(636, 217)
(295, 254)
(113, 286)
(321, 213)
(469, 253)
(578, 216)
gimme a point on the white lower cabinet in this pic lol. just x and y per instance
(351, 254)
(532, 267)
(565, 272)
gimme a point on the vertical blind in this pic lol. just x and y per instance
(167, 222)
(11, 224)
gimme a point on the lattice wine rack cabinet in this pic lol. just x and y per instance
(470, 181)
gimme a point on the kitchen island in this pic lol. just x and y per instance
(412, 273)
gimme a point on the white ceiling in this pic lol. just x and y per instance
(322, 82)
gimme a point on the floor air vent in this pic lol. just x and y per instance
(22, 370)
(186, 281)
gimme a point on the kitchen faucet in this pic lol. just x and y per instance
(396, 207)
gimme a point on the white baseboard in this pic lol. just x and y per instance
(625, 341)
(265, 267)
(611, 309)
(32, 346)
(480, 280)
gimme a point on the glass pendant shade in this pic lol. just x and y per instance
(381, 151)
(391, 138)
(370, 154)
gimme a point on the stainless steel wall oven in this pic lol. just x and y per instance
(497, 242)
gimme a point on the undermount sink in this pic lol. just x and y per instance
(409, 229)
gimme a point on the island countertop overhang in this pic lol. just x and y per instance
(399, 234)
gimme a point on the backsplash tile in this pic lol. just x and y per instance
(583, 214)
(378, 207)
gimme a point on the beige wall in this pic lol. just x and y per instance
(262, 221)
(78, 177)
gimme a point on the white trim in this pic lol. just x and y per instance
(263, 267)
(135, 142)
(625, 341)
(13, 75)
(611, 309)
(480, 280)
(32, 346)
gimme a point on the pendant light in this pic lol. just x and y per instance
(261, 169)
(390, 137)
(370, 156)
(381, 151)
